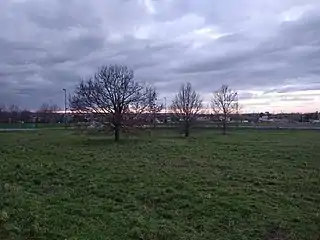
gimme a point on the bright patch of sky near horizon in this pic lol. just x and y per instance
(267, 50)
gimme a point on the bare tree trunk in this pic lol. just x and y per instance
(187, 129)
(224, 127)
(117, 126)
(154, 121)
(116, 132)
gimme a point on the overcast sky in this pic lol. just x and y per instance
(268, 50)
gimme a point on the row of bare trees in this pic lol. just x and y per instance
(13, 114)
(114, 92)
(187, 104)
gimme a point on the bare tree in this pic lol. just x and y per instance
(2, 108)
(154, 107)
(113, 92)
(48, 112)
(14, 113)
(224, 103)
(186, 105)
(3, 112)
(25, 115)
(46, 107)
(13, 108)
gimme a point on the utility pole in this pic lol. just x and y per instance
(165, 109)
(238, 116)
(65, 107)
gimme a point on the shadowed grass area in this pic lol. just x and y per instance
(246, 185)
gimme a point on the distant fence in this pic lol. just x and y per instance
(30, 125)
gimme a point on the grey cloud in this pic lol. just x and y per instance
(18, 53)
(73, 50)
(293, 53)
(246, 95)
(256, 104)
(59, 14)
(296, 99)
(288, 89)
(303, 32)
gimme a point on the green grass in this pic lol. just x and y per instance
(246, 185)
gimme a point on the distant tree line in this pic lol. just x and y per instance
(47, 113)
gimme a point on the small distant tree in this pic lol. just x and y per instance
(25, 115)
(48, 112)
(3, 112)
(46, 107)
(14, 113)
(154, 107)
(113, 92)
(224, 103)
(186, 105)
(2, 108)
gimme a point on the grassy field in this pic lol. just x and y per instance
(246, 185)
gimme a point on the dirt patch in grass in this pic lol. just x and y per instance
(277, 234)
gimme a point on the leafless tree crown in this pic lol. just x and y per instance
(112, 91)
(153, 105)
(48, 108)
(187, 103)
(13, 108)
(224, 101)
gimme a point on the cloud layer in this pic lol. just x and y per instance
(268, 50)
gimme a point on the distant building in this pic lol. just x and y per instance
(315, 121)
(264, 118)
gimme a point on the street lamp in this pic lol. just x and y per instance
(65, 107)
(165, 109)
(238, 116)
